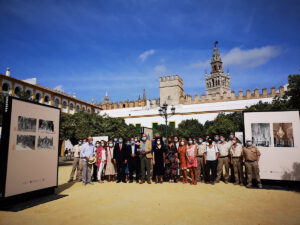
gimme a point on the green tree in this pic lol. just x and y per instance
(293, 93)
(165, 131)
(190, 128)
(222, 125)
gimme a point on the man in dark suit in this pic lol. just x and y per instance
(120, 157)
(133, 161)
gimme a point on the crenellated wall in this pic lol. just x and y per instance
(256, 94)
(188, 99)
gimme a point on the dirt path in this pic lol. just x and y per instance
(166, 203)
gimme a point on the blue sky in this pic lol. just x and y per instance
(90, 47)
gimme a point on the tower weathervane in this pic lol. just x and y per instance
(216, 42)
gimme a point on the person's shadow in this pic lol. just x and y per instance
(64, 186)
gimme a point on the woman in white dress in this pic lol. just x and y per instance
(110, 170)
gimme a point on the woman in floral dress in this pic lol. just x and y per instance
(171, 162)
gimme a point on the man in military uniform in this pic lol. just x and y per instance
(201, 146)
(223, 159)
(251, 157)
(236, 160)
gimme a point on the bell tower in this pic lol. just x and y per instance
(217, 81)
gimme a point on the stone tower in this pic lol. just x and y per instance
(217, 81)
(170, 89)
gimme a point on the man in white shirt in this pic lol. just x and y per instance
(87, 151)
(223, 159)
(201, 146)
(77, 165)
(236, 159)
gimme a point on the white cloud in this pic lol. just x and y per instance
(252, 57)
(245, 58)
(59, 88)
(160, 69)
(145, 54)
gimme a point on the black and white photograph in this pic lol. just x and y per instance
(26, 124)
(283, 135)
(25, 142)
(46, 126)
(261, 135)
(45, 142)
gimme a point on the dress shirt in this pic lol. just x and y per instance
(236, 151)
(76, 150)
(224, 148)
(87, 150)
(132, 149)
(201, 148)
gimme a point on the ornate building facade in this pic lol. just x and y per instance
(67, 103)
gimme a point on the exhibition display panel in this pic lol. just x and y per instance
(29, 148)
(277, 136)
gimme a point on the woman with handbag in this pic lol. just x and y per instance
(110, 170)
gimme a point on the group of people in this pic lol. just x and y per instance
(202, 159)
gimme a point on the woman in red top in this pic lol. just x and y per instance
(101, 155)
(182, 158)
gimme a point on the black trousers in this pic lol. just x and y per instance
(134, 165)
(95, 172)
(211, 166)
(121, 166)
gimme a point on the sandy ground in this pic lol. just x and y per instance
(112, 203)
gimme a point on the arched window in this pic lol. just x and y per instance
(71, 106)
(37, 97)
(215, 67)
(46, 99)
(28, 93)
(213, 82)
(18, 91)
(56, 102)
(83, 109)
(65, 104)
(77, 108)
(5, 87)
(124, 106)
(89, 110)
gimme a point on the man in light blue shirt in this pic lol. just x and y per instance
(87, 151)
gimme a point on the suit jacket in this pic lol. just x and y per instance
(148, 148)
(120, 154)
(135, 151)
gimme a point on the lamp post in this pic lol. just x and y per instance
(163, 112)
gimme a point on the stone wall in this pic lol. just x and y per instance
(188, 99)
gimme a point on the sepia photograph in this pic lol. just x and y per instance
(46, 126)
(26, 124)
(261, 134)
(25, 142)
(45, 142)
(283, 135)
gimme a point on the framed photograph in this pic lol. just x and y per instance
(25, 142)
(26, 124)
(273, 133)
(283, 135)
(261, 134)
(45, 142)
(46, 126)
(29, 148)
